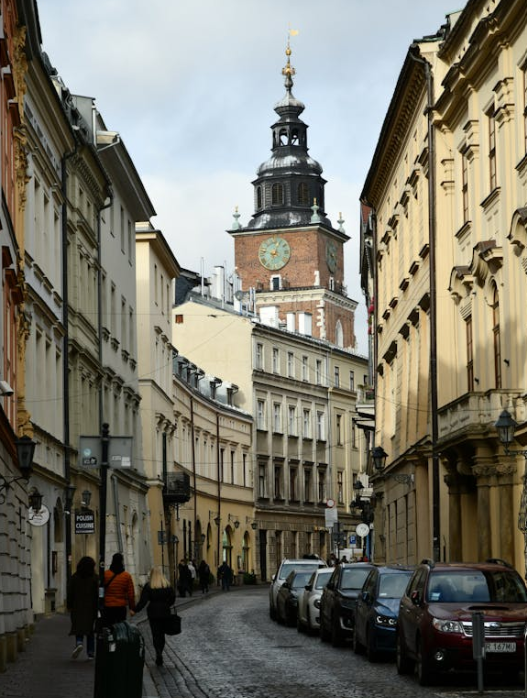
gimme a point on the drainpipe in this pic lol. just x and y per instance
(436, 518)
(194, 483)
(65, 358)
(218, 455)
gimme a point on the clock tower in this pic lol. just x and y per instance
(290, 253)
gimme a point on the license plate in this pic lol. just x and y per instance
(500, 646)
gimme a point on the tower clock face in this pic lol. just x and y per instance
(331, 255)
(274, 253)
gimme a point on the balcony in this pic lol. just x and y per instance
(474, 414)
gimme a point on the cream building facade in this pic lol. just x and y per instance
(306, 449)
(447, 187)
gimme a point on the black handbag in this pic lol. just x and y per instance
(172, 625)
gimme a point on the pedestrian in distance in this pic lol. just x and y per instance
(82, 599)
(184, 583)
(158, 596)
(225, 574)
(204, 577)
(193, 574)
(119, 592)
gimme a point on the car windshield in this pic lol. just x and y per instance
(290, 566)
(300, 580)
(392, 586)
(476, 587)
(354, 577)
(323, 578)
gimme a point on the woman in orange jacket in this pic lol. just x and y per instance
(119, 592)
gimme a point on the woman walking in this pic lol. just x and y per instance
(82, 596)
(159, 596)
(118, 592)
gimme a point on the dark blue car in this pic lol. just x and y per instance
(377, 610)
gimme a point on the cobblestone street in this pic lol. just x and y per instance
(230, 648)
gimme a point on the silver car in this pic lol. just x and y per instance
(306, 564)
(308, 615)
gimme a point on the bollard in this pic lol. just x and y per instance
(478, 645)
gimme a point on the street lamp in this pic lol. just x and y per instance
(25, 450)
(506, 427)
(379, 457)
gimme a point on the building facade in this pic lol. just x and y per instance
(301, 392)
(447, 190)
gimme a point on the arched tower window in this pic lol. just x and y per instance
(283, 136)
(303, 193)
(339, 335)
(258, 198)
(277, 194)
(294, 137)
(496, 338)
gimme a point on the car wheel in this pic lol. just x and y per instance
(371, 652)
(357, 646)
(309, 628)
(299, 625)
(336, 635)
(272, 612)
(425, 675)
(402, 661)
(290, 618)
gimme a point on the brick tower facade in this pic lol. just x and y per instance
(289, 253)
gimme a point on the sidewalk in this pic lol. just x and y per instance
(46, 670)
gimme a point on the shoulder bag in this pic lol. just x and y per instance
(172, 624)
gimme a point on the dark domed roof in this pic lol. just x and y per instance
(290, 182)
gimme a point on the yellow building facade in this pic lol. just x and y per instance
(447, 187)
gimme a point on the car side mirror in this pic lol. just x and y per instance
(365, 597)
(273, 577)
(415, 597)
(330, 585)
(286, 585)
(308, 587)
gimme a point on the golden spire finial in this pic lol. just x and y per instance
(288, 71)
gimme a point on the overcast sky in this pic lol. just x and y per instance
(191, 85)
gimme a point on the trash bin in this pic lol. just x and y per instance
(119, 662)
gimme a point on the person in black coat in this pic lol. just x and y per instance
(158, 595)
(81, 600)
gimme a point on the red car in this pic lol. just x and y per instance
(434, 629)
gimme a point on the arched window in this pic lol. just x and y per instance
(294, 137)
(496, 337)
(258, 198)
(283, 136)
(277, 194)
(339, 335)
(303, 193)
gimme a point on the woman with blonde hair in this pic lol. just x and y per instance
(158, 595)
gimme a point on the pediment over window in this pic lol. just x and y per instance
(487, 258)
(518, 231)
(461, 282)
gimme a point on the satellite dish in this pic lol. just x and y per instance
(238, 295)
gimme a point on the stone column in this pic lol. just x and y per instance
(484, 474)
(508, 525)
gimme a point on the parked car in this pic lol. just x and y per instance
(308, 615)
(308, 564)
(338, 601)
(434, 629)
(287, 597)
(377, 610)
